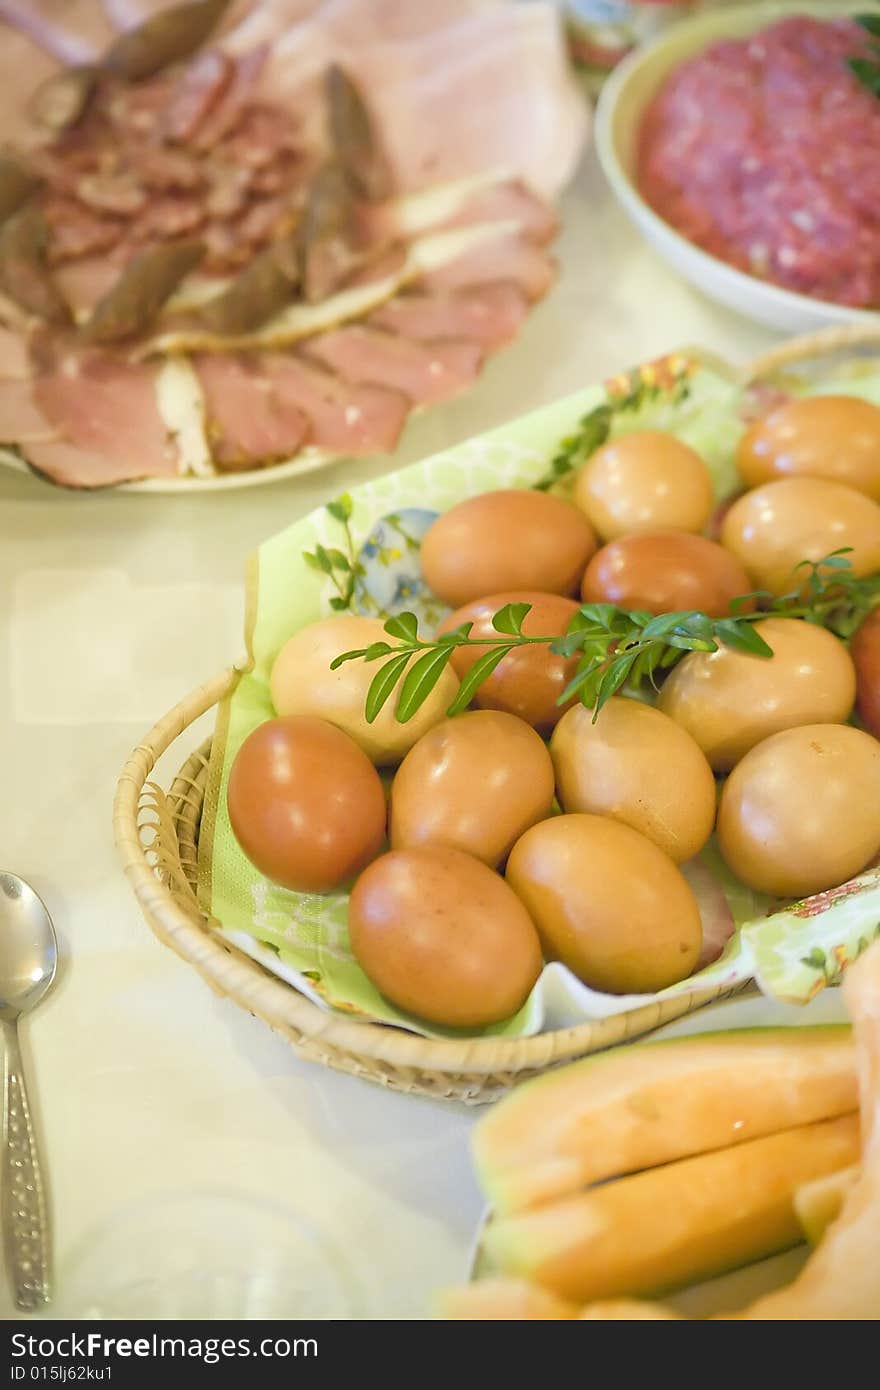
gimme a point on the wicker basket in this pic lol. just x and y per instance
(157, 836)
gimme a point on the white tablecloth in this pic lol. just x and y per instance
(113, 606)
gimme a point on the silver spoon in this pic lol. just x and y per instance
(28, 957)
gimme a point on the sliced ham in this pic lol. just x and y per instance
(463, 203)
(375, 267)
(476, 87)
(137, 111)
(352, 21)
(25, 67)
(72, 31)
(67, 465)
(195, 93)
(426, 372)
(78, 231)
(84, 282)
(508, 256)
(262, 135)
(125, 14)
(343, 418)
(165, 170)
(488, 314)
(21, 420)
(267, 406)
(106, 408)
(14, 360)
(249, 421)
(170, 215)
(509, 201)
(224, 116)
(494, 91)
(474, 104)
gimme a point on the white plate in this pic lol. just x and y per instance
(618, 118)
(305, 462)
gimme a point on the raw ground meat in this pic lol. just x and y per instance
(766, 152)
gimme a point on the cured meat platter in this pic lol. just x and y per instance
(239, 240)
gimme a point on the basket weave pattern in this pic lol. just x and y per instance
(157, 837)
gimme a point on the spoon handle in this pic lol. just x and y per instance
(25, 1227)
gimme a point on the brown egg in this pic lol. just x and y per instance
(665, 572)
(801, 812)
(607, 903)
(640, 767)
(511, 539)
(835, 437)
(305, 803)
(644, 481)
(302, 682)
(530, 679)
(474, 783)
(774, 528)
(728, 700)
(443, 937)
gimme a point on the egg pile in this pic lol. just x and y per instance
(524, 829)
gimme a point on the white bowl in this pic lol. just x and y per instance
(618, 119)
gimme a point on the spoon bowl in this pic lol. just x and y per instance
(28, 948)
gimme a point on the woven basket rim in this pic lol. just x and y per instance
(367, 1047)
(278, 1003)
(823, 343)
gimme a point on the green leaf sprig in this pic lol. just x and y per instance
(867, 70)
(615, 647)
(338, 565)
(643, 385)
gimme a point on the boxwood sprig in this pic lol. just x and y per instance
(867, 70)
(615, 647)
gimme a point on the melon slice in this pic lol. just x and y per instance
(819, 1202)
(503, 1300)
(841, 1280)
(673, 1225)
(632, 1108)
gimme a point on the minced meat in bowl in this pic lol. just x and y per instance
(765, 152)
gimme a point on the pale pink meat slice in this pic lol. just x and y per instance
(168, 169)
(510, 201)
(508, 256)
(345, 419)
(426, 372)
(77, 230)
(490, 88)
(351, 21)
(72, 31)
(106, 409)
(249, 420)
(22, 423)
(492, 91)
(224, 116)
(488, 314)
(194, 95)
(84, 282)
(503, 201)
(25, 67)
(125, 14)
(383, 264)
(14, 361)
